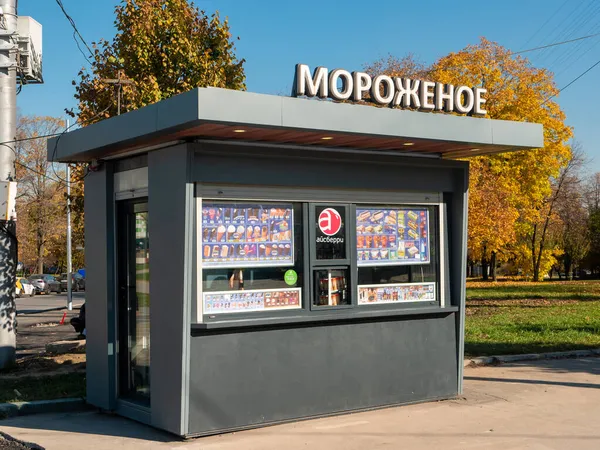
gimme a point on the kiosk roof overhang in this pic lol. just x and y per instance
(222, 114)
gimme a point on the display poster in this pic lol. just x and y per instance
(247, 235)
(392, 236)
(248, 301)
(395, 293)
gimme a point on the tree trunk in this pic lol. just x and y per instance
(568, 267)
(493, 267)
(484, 265)
(40, 260)
(40, 253)
(533, 259)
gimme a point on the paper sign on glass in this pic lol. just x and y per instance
(398, 236)
(247, 235)
(396, 293)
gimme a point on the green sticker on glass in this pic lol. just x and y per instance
(290, 277)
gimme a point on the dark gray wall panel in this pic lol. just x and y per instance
(458, 202)
(249, 378)
(169, 197)
(215, 163)
(100, 287)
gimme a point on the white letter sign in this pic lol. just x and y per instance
(340, 85)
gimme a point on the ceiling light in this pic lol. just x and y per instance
(239, 131)
(408, 143)
(327, 138)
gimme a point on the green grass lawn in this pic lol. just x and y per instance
(520, 317)
(24, 389)
(578, 290)
(145, 276)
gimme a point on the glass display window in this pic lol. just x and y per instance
(397, 254)
(247, 235)
(252, 256)
(392, 236)
(268, 256)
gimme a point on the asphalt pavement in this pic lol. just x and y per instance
(43, 303)
(548, 404)
(38, 321)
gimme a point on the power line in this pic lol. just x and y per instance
(524, 51)
(559, 32)
(567, 67)
(42, 136)
(60, 135)
(37, 172)
(76, 32)
(555, 44)
(589, 25)
(547, 22)
(573, 81)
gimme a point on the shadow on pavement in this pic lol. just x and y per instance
(507, 348)
(521, 381)
(589, 365)
(92, 423)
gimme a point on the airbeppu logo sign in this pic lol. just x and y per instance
(340, 84)
(330, 223)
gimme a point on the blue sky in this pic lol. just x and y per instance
(277, 34)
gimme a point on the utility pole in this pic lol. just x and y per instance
(119, 83)
(69, 261)
(8, 131)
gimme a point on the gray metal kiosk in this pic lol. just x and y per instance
(254, 259)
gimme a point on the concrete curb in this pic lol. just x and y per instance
(500, 359)
(14, 409)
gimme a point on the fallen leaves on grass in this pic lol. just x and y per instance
(44, 365)
(69, 385)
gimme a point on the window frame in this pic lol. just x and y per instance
(206, 317)
(307, 200)
(440, 252)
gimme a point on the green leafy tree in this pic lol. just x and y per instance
(161, 48)
(164, 47)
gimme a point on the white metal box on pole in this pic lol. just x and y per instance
(30, 49)
(8, 196)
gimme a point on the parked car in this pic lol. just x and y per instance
(45, 284)
(24, 288)
(77, 282)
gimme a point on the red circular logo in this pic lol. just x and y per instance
(330, 221)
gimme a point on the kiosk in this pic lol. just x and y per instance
(254, 259)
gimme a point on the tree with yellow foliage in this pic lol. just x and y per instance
(516, 91)
(509, 193)
(41, 225)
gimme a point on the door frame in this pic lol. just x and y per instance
(125, 209)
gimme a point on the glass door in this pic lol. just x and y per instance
(133, 252)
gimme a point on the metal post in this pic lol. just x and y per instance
(119, 96)
(69, 261)
(8, 131)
